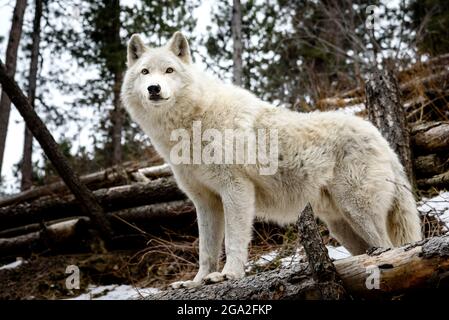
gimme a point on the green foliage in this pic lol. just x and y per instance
(430, 20)
(95, 34)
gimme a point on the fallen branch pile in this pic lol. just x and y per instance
(424, 90)
(141, 196)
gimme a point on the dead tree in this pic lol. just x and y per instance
(11, 59)
(323, 270)
(86, 199)
(237, 42)
(27, 168)
(386, 112)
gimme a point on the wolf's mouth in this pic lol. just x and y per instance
(157, 97)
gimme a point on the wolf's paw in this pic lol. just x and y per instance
(216, 277)
(185, 284)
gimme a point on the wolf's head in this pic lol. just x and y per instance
(157, 77)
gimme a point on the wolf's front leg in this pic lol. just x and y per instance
(239, 210)
(211, 232)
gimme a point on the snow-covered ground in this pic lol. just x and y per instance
(114, 292)
(437, 206)
(335, 253)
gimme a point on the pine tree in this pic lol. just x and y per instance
(27, 169)
(10, 62)
(430, 20)
(97, 41)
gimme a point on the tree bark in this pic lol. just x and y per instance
(438, 181)
(86, 199)
(323, 270)
(417, 266)
(117, 119)
(431, 164)
(11, 60)
(431, 136)
(385, 111)
(27, 168)
(118, 115)
(112, 199)
(237, 42)
(45, 238)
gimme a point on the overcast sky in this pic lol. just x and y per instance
(14, 142)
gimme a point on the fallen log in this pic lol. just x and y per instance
(144, 214)
(431, 164)
(57, 235)
(117, 175)
(112, 199)
(166, 210)
(438, 181)
(431, 136)
(380, 274)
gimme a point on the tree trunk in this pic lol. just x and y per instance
(86, 199)
(382, 274)
(27, 168)
(323, 270)
(118, 115)
(237, 42)
(385, 111)
(11, 59)
(117, 119)
(118, 198)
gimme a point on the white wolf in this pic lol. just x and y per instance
(339, 163)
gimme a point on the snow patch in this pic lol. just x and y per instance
(438, 206)
(335, 253)
(12, 265)
(114, 292)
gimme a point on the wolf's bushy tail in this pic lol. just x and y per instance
(404, 225)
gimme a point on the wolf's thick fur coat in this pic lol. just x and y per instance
(339, 163)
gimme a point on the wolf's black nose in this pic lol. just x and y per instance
(154, 89)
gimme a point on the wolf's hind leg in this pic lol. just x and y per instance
(330, 214)
(346, 236)
(366, 213)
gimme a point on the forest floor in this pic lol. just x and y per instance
(132, 274)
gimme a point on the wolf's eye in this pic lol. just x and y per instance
(169, 70)
(145, 71)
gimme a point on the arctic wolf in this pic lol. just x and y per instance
(339, 163)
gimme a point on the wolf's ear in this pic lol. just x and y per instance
(179, 45)
(135, 49)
